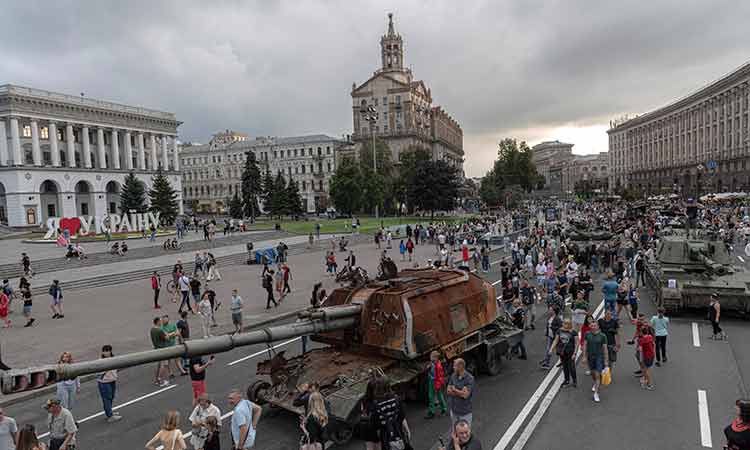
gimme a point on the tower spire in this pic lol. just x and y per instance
(391, 48)
(391, 31)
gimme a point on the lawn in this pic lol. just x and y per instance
(334, 226)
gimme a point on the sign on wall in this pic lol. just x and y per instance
(101, 224)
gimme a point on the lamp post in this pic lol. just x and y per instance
(370, 115)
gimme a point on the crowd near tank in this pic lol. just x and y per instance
(686, 271)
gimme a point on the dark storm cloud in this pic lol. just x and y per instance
(284, 68)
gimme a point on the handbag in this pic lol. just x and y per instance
(607, 376)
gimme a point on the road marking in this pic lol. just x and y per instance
(128, 403)
(696, 336)
(531, 403)
(704, 419)
(741, 258)
(190, 433)
(245, 358)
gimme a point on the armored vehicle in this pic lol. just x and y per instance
(686, 272)
(400, 322)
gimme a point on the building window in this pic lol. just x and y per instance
(289, 171)
(296, 170)
(295, 152)
(275, 154)
(304, 184)
(385, 101)
(26, 132)
(328, 150)
(320, 151)
(329, 167)
(44, 133)
(398, 99)
(282, 154)
(385, 128)
(309, 151)
(303, 168)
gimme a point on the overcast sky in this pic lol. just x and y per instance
(530, 69)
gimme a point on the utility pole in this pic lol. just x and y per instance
(370, 115)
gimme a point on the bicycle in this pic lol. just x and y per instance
(172, 287)
(172, 244)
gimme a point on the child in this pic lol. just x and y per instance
(646, 343)
(212, 439)
(633, 302)
(402, 250)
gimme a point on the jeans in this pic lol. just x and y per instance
(520, 347)
(640, 274)
(486, 263)
(270, 298)
(569, 367)
(107, 392)
(547, 347)
(594, 264)
(661, 348)
(185, 300)
(156, 297)
(67, 395)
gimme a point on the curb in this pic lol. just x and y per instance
(52, 389)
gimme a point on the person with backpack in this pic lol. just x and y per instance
(565, 345)
(55, 291)
(409, 247)
(268, 286)
(389, 418)
(640, 269)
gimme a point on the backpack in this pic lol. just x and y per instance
(266, 283)
(387, 420)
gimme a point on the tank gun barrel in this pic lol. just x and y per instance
(18, 380)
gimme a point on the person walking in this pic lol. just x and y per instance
(198, 368)
(159, 340)
(184, 283)
(8, 431)
(279, 281)
(156, 287)
(28, 440)
(660, 324)
(26, 264)
(244, 420)
(435, 383)
(56, 305)
(213, 268)
(62, 426)
(198, 265)
(460, 392)
(595, 349)
(609, 289)
(409, 248)
(389, 417)
(25, 288)
(68, 389)
(235, 308)
(5, 310)
(287, 277)
(611, 328)
(268, 286)
(205, 310)
(107, 384)
(714, 316)
(183, 327)
(640, 269)
(554, 323)
(402, 250)
(195, 290)
(565, 345)
(737, 433)
(647, 345)
(169, 436)
(170, 331)
(204, 410)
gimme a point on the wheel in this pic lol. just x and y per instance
(341, 434)
(171, 286)
(257, 390)
(491, 364)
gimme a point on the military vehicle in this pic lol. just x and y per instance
(377, 327)
(400, 321)
(686, 272)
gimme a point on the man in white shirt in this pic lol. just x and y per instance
(203, 410)
(184, 284)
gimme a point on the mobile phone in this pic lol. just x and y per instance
(212, 357)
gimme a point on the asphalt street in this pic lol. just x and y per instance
(519, 408)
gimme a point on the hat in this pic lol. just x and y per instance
(715, 295)
(51, 402)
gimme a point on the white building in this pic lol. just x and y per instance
(67, 156)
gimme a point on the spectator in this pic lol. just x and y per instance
(660, 324)
(205, 310)
(62, 426)
(184, 328)
(595, 349)
(244, 420)
(550, 331)
(8, 431)
(27, 439)
(55, 291)
(565, 345)
(25, 288)
(156, 287)
(462, 439)
(389, 417)
(184, 283)
(460, 391)
(204, 410)
(435, 383)
(107, 387)
(646, 344)
(169, 436)
(235, 307)
(67, 389)
(170, 330)
(314, 421)
(159, 340)
(714, 315)
(5, 310)
(738, 432)
(212, 441)
(198, 375)
(268, 286)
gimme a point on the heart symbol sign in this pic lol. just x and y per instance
(72, 224)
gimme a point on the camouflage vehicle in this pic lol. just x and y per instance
(687, 271)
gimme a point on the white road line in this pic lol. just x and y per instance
(696, 335)
(190, 433)
(704, 419)
(128, 403)
(741, 258)
(263, 351)
(531, 403)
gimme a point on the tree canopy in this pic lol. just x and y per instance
(163, 198)
(133, 195)
(251, 186)
(346, 187)
(513, 167)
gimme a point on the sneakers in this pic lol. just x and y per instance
(114, 418)
(565, 384)
(164, 383)
(56, 316)
(658, 363)
(650, 387)
(593, 388)
(596, 397)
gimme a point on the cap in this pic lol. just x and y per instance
(51, 402)
(715, 295)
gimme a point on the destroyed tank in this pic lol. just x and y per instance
(400, 322)
(686, 271)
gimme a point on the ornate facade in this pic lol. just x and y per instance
(64, 155)
(547, 154)
(404, 116)
(697, 144)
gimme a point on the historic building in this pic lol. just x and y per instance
(403, 114)
(547, 154)
(64, 155)
(212, 173)
(699, 143)
(580, 174)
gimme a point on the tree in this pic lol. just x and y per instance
(278, 205)
(410, 160)
(267, 188)
(163, 198)
(251, 186)
(513, 167)
(376, 184)
(489, 191)
(133, 195)
(434, 186)
(235, 207)
(346, 188)
(293, 199)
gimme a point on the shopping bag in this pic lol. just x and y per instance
(606, 376)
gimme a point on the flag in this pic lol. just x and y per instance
(61, 241)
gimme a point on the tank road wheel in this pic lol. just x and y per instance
(257, 391)
(491, 363)
(341, 433)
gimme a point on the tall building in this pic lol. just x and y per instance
(580, 173)
(212, 173)
(67, 156)
(699, 143)
(404, 115)
(547, 154)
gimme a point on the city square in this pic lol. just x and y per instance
(302, 227)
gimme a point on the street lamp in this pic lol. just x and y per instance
(370, 114)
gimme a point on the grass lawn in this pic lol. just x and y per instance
(333, 226)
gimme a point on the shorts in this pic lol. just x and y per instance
(237, 318)
(648, 362)
(56, 300)
(596, 364)
(27, 310)
(199, 387)
(623, 301)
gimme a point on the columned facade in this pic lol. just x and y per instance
(62, 154)
(696, 145)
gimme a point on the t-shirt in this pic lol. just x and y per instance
(235, 306)
(7, 426)
(243, 416)
(195, 286)
(609, 288)
(472, 444)
(566, 342)
(609, 328)
(594, 343)
(158, 338)
(184, 328)
(61, 424)
(196, 376)
(646, 343)
(461, 406)
(661, 325)
(184, 283)
(168, 329)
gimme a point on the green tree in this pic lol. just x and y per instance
(278, 205)
(410, 160)
(489, 191)
(293, 199)
(163, 198)
(434, 186)
(381, 184)
(346, 188)
(251, 187)
(267, 188)
(133, 195)
(235, 207)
